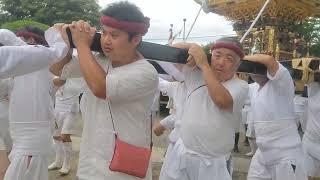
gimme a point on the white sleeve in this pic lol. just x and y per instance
(168, 122)
(19, 60)
(4, 88)
(282, 81)
(8, 38)
(129, 84)
(172, 70)
(167, 87)
(313, 89)
(239, 92)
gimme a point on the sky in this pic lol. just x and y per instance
(162, 13)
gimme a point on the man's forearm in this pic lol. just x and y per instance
(218, 93)
(93, 73)
(57, 68)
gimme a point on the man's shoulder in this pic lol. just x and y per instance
(144, 65)
(237, 82)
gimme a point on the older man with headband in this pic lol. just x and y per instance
(215, 97)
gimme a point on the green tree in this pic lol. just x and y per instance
(207, 48)
(50, 11)
(13, 26)
(310, 30)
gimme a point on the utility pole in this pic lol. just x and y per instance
(184, 29)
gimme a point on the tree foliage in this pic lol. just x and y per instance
(310, 30)
(49, 11)
(13, 26)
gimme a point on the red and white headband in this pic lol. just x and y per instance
(228, 45)
(128, 26)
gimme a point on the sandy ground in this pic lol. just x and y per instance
(241, 162)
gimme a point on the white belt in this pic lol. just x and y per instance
(31, 138)
(179, 152)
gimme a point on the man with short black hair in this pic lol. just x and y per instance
(120, 83)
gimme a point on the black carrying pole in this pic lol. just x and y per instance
(158, 52)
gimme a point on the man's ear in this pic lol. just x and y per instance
(136, 39)
(31, 40)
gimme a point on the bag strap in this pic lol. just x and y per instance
(114, 129)
(196, 89)
(151, 143)
(113, 125)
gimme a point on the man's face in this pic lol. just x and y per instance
(115, 43)
(29, 40)
(224, 62)
(260, 79)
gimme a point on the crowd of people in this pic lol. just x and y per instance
(42, 78)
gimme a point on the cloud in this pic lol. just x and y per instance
(165, 12)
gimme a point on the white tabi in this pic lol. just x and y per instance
(311, 138)
(207, 132)
(130, 91)
(279, 145)
(19, 60)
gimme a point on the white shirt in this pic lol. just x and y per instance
(29, 112)
(253, 89)
(5, 88)
(130, 91)
(274, 118)
(19, 60)
(313, 122)
(205, 128)
(176, 91)
(67, 96)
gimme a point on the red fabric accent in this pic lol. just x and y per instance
(230, 46)
(128, 26)
(130, 159)
(28, 35)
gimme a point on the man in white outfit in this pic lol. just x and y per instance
(253, 89)
(214, 98)
(279, 153)
(311, 138)
(123, 83)
(29, 118)
(7, 38)
(66, 111)
(176, 91)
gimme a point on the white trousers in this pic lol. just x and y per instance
(282, 170)
(182, 164)
(311, 157)
(66, 123)
(30, 139)
(20, 170)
